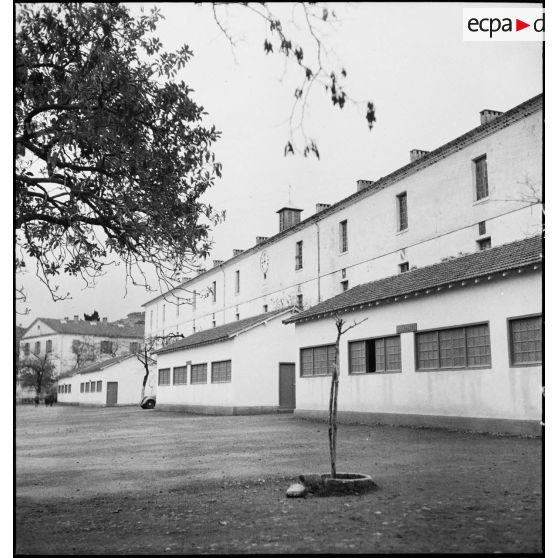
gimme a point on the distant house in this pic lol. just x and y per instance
(78, 343)
(112, 382)
(244, 367)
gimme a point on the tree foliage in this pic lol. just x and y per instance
(112, 155)
(37, 372)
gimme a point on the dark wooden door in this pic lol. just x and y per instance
(287, 395)
(112, 394)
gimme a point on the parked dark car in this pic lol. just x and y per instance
(148, 402)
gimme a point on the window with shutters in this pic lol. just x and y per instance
(37, 347)
(106, 347)
(525, 339)
(298, 255)
(317, 361)
(481, 178)
(164, 377)
(382, 354)
(49, 346)
(198, 374)
(93, 387)
(87, 387)
(402, 215)
(343, 241)
(221, 372)
(451, 348)
(179, 375)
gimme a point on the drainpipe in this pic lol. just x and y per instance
(224, 293)
(318, 242)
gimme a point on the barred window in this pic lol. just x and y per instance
(221, 371)
(99, 385)
(343, 242)
(164, 377)
(198, 374)
(180, 375)
(526, 340)
(375, 355)
(317, 361)
(459, 347)
(402, 211)
(481, 177)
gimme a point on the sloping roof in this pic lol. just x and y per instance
(507, 118)
(101, 365)
(97, 329)
(221, 333)
(499, 259)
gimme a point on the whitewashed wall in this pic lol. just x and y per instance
(498, 392)
(443, 221)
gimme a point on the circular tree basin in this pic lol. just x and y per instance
(347, 483)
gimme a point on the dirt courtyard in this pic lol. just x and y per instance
(125, 480)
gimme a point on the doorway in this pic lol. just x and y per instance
(112, 394)
(287, 385)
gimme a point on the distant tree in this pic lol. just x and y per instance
(86, 351)
(334, 391)
(37, 372)
(112, 156)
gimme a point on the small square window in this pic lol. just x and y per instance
(484, 244)
(403, 267)
(344, 286)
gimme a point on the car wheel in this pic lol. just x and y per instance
(150, 404)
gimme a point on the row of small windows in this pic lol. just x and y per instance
(91, 387)
(221, 372)
(64, 388)
(442, 349)
(27, 348)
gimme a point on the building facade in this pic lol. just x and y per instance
(479, 190)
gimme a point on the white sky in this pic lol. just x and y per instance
(409, 59)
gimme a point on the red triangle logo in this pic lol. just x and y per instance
(519, 25)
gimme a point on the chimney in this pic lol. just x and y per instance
(322, 206)
(76, 318)
(417, 154)
(260, 239)
(105, 320)
(288, 217)
(65, 319)
(237, 252)
(361, 184)
(217, 263)
(201, 270)
(488, 115)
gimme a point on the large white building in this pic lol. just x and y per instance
(478, 191)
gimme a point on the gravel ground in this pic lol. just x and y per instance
(123, 481)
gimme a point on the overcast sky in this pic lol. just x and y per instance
(409, 59)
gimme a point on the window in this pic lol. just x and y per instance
(299, 301)
(164, 377)
(49, 346)
(26, 349)
(178, 309)
(164, 312)
(151, 319)
(59, 389)
(317, 361)
(214, 291)
(482, 228)
(180, 375)
(87, 387)
(403, 267)
(237, 281)
(70, 388)
(93, 387)
(99, 385)
(344, 286)
(198, 374)
(82, 387)
(481, 178)
(375, 355)
(343, 242)
(237, 315)
(134, 347)
(298, 255)
(402, 211)
(264, 308)
(106, 347)
(194, 300)
(213, 323)
(484, 244)
(460, 347)
(221, 371)
(525, 336)
(37, 347)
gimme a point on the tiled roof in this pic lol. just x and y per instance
(221, 333)
(102, 364)
(499, 259)
(97, 329)
(507, 118)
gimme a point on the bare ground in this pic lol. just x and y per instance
(123, 480)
